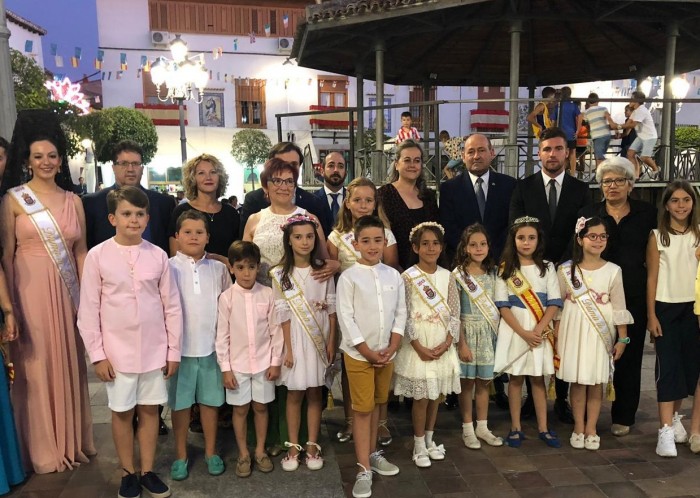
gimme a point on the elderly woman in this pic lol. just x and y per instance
(406, 199)
(629, 223)
(205, 180)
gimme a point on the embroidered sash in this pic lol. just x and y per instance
(582, 295)
(429, 294)
(303, 311)
(52, 238)
(347, 239)
(479, 297)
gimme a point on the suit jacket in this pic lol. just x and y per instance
(99, 229)
(327, 220)
(255, 202)
(530, 199)
(459, 209)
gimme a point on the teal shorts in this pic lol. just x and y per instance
(198, 380)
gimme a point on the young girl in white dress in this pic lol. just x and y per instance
(592, 328)
(360, 200)
(305, 308)
(479, 317)
(426, 365)
(528, 296)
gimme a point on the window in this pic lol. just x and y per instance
(372, 101)
(250, 103)
(417, 111)
(332, 91)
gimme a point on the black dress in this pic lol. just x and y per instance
(223, 227)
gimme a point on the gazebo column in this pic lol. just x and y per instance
(530, 162)
(379, 50)
(8, 109)
(511, 166)
(360, 121)
(669, 108)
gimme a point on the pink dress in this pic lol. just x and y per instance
(50, 393)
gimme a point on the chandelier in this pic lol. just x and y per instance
(181, 75)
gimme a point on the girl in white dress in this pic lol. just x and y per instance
(592, 328)
(306, 310)
(528, 296)
(426, 365)
(360, 200)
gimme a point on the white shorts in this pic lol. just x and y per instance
(251, 387)
(130, 389)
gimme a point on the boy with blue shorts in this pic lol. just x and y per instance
(198, 380)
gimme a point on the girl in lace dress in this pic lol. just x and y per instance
(426, 365)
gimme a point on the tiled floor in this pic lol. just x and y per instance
(623, 467)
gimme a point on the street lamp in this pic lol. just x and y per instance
(181, 76)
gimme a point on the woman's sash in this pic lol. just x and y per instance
(478, 296)
(52, 238)
(347, 239)
(303, 311)
(429, 294)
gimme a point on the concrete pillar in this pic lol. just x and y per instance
(669, 108)
(530, 163)
(379, 66)
(8, 108)
(360, 123)
(511, 166)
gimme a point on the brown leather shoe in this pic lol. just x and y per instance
(243, 467)
(264, 464)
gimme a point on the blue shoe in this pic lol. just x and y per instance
(515, 439)
(178, 470)
(550, 438)
(215, 465)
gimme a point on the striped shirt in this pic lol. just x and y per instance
(597, 121)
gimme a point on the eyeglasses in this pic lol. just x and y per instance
(596, 236)
(278, 182)
(619, 182)
(126, 164)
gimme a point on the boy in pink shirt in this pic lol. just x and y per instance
(249, 350)
(130, 320)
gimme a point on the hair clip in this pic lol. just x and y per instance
(580, 224)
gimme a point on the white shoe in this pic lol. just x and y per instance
(665, 445)
(363, 484)
(592, 442)
(436, 452)
(379, 464)
(680, 435)
(470, 441)
(694, 441)
(487, 436)
(314, 462)
(290, 463)
(577, 440)
(421, 457)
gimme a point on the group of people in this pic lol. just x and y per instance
(526, 278)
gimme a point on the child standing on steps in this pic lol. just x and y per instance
(479, 318)
(528, 296)
(305, 308)
(427, 366)
(592, 329)
(361, 200)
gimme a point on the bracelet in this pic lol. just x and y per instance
(624, 340)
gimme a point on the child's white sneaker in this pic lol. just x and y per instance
(363, 484)
(436, 452)
(487, 436)
(381, 465)
(665, 445)
(680, 435)
(577, 440)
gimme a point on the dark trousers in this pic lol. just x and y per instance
(628, 369)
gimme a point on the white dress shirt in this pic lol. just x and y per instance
(371, 305)
(200, 284)
(484, 186)
(559, 179)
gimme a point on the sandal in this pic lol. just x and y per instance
(384, 440)
(550, 439)
(290, 463)
(515, 438)
(314, 462)
(346, 434)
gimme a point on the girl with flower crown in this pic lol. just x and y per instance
(426, 365)
(305, 308)
(591, 332)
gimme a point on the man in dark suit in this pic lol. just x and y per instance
(555, 198)
(477, 196)
(332, 194)
(128, 170)
(255, 201)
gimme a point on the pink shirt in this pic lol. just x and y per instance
(246, 339)
(130, 308)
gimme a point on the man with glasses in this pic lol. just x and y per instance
(128, 170)
(255, 201)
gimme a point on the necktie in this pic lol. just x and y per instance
(552, 199)
(334, 207)
(480, 197)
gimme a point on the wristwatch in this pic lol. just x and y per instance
(624, 340)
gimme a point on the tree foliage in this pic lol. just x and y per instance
(110, 126)
(29, 79)
(687, 136)
(250, 147)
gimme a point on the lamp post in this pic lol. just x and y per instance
(181, 76)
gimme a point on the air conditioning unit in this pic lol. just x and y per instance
(160, 37)
(284, 45)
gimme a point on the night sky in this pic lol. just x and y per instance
(69, 24)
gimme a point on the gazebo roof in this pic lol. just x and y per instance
(467, 42)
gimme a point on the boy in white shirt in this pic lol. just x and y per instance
(371, 307)
(200, 281)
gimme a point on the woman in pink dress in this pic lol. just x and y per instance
(43, 253)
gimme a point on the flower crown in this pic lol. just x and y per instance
(526, 219)
(423, 225)
(298, 218)
(580, 224)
